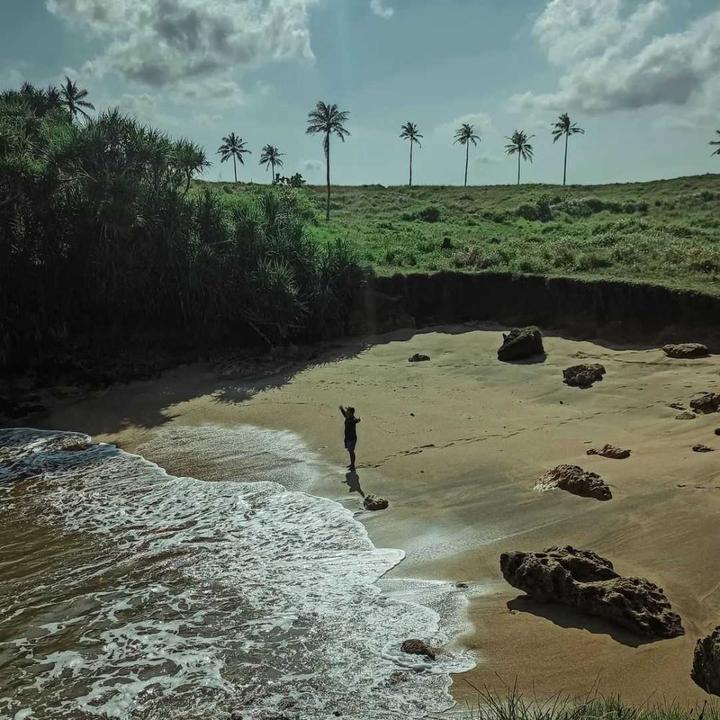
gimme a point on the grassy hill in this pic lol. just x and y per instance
(666, 231)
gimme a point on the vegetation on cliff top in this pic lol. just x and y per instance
(665, 232)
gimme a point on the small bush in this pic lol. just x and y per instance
(527, 211)
(544, 213)
(430, 214)
(592, 261)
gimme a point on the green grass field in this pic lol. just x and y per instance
(665, 232)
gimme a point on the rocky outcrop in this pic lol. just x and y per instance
(686, 351)
(584, 580)
(418, 647)
(575, 480)
(686, 415)
(418, 357)
(373, 502)
(583, 376)
(700, 448)
(610, 451)
(521, 343)
(706, 663)
(706, 403)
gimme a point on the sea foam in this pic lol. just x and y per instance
(131, 593)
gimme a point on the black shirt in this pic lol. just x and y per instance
(350, 430)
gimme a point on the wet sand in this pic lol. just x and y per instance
(456, 444)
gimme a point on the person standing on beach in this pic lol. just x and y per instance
(350, 432)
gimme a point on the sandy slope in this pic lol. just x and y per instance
(457, 443)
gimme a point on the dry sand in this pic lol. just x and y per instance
(456, 444)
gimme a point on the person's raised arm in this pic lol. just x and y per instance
(342, 410)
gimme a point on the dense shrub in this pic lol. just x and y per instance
(430, 214)
(98, 229)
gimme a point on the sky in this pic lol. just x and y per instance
(642, 77)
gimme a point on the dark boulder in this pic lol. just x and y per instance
(418, 647)
(706, 663)
(583, 376)
(521, 343)
(373, 502)
(610, 451)
(686, 351)
(575, 480)
(700, 448)
(706, 403)
(418, 357)
(685, 416)
(589, 583)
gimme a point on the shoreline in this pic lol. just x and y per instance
(455, 445)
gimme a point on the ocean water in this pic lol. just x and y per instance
(127, 592)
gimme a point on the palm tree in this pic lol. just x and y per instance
(519, 145)
(327, 119)
(270, 157)
(564, 126)
(233, 147)
(716, 142)
(410, 132)
(465, 135)
(73, 98)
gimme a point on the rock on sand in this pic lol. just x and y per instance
(418, 357)
(706, 403)
(588, 582)
(686, 351)
(610, 451)
(521, 343)
(373, 502)
(575, 480)
(583, 376)
(706, 663)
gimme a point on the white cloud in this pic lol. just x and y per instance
(382, 10)
(195, 46)
(482, 121)
(611, 61)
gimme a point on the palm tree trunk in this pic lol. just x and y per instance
(272, 181)
(518, 168)
(327, 159)
(565, 163)
(235, 169)
(411, 149)
(467, 156)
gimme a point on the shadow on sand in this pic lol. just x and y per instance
(147, 404)
(567, 617)
(352, 480)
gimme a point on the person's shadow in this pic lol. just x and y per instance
(352, 480)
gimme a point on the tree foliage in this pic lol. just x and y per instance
(327, 120)
(98, 233)
(717, 143)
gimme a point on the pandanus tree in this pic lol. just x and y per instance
(271, 157)
(564, 127)
(520, 145)
(716, 142)
(327, 120)
(73, 98)
(188, 158)
(409, 131)
(233, 147)
(465, 135)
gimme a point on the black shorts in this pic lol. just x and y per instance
(350, 444)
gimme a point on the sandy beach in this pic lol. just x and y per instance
(456, 445)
